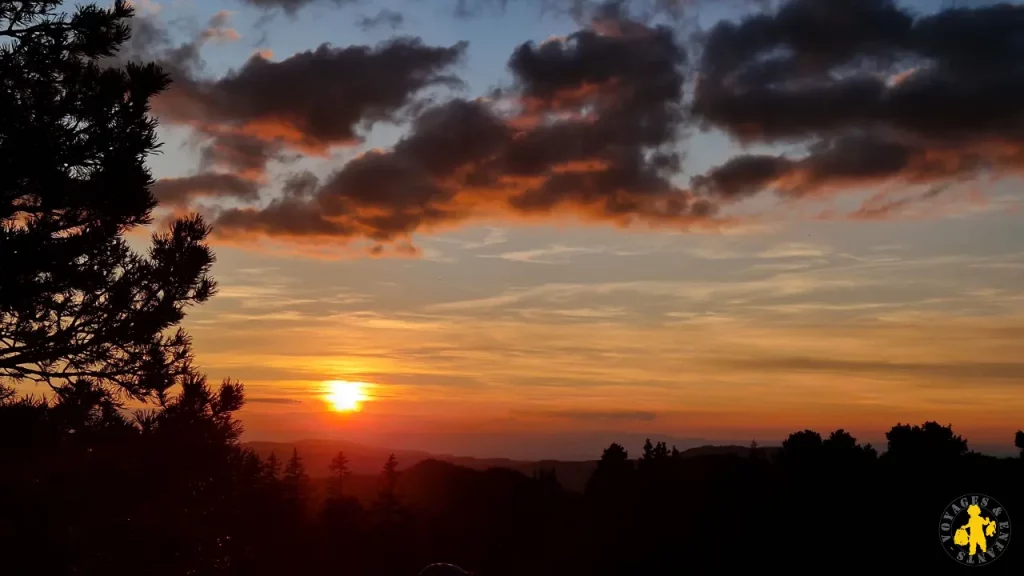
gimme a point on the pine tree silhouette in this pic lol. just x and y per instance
(387, 499)
(76, 302)
(272, 467)
(339, 467)
(295, 481)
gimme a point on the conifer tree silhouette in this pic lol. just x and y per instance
(340, 469)
(76, 301)
(272, 467)
(295, 481)
(387, 499)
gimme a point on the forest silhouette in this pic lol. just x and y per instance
(90, 487)
(93, 491)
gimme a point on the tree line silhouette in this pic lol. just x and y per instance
(88, 486)
(91, 490)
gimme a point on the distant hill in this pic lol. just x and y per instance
(368, 460)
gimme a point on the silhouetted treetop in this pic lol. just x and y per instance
(655, 458)
(339, 464)
(75, 300)
(386, 504)
(1018, 441)
(271, 467)
(390, 473)
(648, 453)
(614, 456)
(801, 447)
(295, 469)
(295, 483)
(840, 440)
(198, 413)
(928, 442)
(841, 448)
(613, 471)
(340, 470)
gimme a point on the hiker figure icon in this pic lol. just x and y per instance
(974, 533)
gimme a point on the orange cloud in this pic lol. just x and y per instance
(590, 135)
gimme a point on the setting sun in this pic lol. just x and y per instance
(346, 396)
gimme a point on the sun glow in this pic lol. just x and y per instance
(346, 396)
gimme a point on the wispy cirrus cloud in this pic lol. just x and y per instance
(782, 284)
(590, 416)
(272, 400)
(1009, 373)
(745, 361)
(795, 250)
(780, 251)
(554, 254)
(493, 237)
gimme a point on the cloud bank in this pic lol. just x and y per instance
(595, 125)
(872, 92)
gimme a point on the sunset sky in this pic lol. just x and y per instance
(658, 226)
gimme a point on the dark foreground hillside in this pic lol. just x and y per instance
(174, 493)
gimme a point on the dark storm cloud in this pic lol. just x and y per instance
(305, 103)
(240, 153)
(592, 124)
(300, 185)
(581, 10)
(383, 19)
(180, 192)
(148, 37)
(819, 66)
(292, 7)
(316, 98)
(882, 207)
(243, 154)
(875, 92)
(150, 41)
(852, 159)
(382, 195)
(282, 217)
(594, 129)
(771, 76)
(742, 176)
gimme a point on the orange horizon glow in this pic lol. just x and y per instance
(521, 340)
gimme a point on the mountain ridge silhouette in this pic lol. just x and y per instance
(366, 459)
